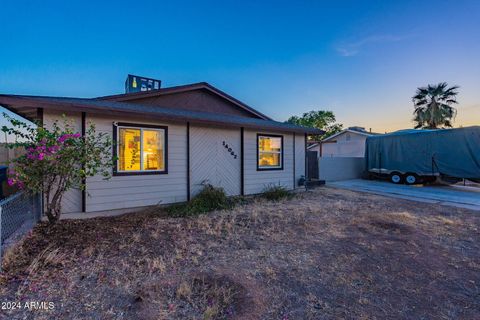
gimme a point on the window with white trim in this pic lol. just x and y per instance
(270, 152)
(141, 149)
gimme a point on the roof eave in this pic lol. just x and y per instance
(15, 103)
(347, 130)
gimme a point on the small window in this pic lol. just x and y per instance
(141, 150)
(270, 152)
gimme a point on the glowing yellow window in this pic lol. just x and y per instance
(270, 152)
(141, 149)
(129, 147)
(153, 150)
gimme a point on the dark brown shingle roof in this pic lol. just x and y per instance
(25, 105)
(183, 88)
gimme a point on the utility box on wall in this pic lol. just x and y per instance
(138, 84)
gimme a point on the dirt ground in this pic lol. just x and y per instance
(325, 254)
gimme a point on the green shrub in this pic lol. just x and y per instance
(209, 199)
(275, 192)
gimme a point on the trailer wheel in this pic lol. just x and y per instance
(396, 177)
(411, 178)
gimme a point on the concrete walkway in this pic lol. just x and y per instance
(457, 196)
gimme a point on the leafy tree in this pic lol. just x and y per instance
(56, 160)
(433, 106)
(321, 119)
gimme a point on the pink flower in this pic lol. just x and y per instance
(52, 149)
(68, 136)
(10, 182)
(41, 156)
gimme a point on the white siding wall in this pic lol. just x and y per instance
(299, 157)
(354, 146)
(210, 160)
(256, 181)
(72, 199)
(141, 190)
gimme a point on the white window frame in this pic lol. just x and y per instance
(142, 170)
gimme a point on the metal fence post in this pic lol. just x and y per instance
(40, 206)
(37, 207)
(31, 199)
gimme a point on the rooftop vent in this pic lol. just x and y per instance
(138, 84)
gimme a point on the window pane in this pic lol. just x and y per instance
(266, 159)
(270, 143)
(129, 149)
(153, 158)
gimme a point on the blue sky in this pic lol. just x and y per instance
(361, 59)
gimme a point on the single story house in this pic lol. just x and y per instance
(171, 141)
(349, 142)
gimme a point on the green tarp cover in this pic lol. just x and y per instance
(453, 152)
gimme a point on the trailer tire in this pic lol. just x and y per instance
(411, 178)
(396, 177)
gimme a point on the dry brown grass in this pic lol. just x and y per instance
(325, 254)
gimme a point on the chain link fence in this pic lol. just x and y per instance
(18, 214)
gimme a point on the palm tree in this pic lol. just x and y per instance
(433, 106)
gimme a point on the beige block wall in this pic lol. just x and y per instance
(341, 168)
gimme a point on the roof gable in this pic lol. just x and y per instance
(196, 97)
(367, 134)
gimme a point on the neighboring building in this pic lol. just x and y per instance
(349, 142)
(171, 141)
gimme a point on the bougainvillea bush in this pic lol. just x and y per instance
(56, 159)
